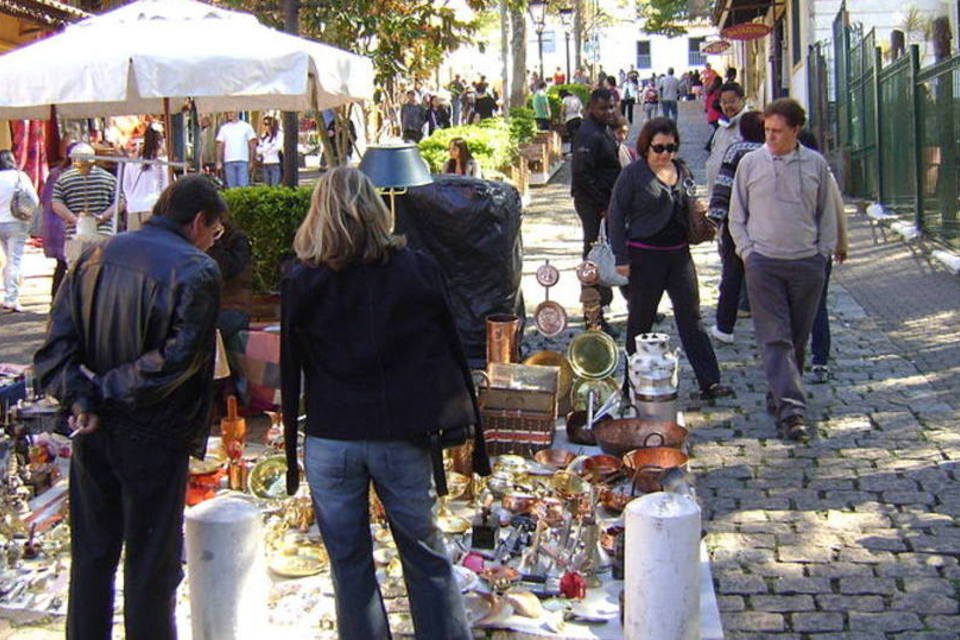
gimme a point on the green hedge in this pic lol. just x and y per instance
(582, 91)
(494, 142)
(270, 217)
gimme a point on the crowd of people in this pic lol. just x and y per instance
(356, 310)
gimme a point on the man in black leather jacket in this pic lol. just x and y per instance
(129, 352)
(594, 170)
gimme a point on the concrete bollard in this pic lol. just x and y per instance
(662, 568)
(227, 573)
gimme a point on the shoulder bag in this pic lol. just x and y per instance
(22, 204)
(601, 254)
(700, 228)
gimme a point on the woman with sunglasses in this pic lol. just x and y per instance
(647, 227)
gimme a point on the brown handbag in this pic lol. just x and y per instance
(699, 228)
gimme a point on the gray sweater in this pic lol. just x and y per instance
(782, 206)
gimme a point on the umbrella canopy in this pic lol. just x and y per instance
(128, 60)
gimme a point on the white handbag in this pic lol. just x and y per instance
(602, 255)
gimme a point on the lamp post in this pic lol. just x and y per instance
(538, 15)
(566, 16)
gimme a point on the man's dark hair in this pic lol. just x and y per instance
(670, 71)
(730, 74)
(185, 198)
(732, 86)
(651, 128)
(787, 108)
(541, 85)
(563, 93)
(598, 95)
(751, 127)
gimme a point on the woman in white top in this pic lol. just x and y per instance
(572, 113)
(269, 148)
(13, 231)
(143, 183)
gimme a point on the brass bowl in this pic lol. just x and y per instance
(569, 485)
(593, 354)
(510, 463)
(267, 479)
(457, 484)
(554, 458)
(602, 390)
(617, 437)
(647, 466)
(555, 359)
(600, 467)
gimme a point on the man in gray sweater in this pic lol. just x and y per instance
(783, 221)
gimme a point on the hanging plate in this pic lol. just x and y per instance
(593, 354)
(550, 318)
(547, 275)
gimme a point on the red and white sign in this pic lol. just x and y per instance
(746, 31)
(715, 48)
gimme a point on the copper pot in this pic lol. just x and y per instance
(615, 499)
(503, 338)
(617, 437)
(601, 467)
(647, 466)
(577, 431)
(554, 458)
(518, 503)
(549, 509)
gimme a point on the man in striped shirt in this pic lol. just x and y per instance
(85, 189)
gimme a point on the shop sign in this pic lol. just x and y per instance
(715, 48)
(746, 31)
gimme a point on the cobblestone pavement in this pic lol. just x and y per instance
(853, 536)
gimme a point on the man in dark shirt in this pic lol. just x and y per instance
(595, 167)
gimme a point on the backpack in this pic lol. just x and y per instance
(650, 96)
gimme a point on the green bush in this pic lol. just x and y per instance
(523, 126)
(489, 141)
(270, 217)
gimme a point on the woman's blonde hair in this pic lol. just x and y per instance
(348, 223)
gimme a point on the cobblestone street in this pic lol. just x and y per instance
(852, 536)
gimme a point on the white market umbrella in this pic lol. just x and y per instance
(138, 58)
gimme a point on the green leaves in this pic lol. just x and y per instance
(270, 216)
(665, 17)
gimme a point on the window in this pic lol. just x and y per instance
(795, 32)
(643, 55)
(694, 57)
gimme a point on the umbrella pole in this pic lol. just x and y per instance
(168, 140)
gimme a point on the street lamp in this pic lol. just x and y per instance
(566, 18)
(538, 15)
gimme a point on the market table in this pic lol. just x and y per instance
(304, 607)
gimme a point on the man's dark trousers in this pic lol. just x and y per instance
(591, 217)
(125, 491)
(783, 298)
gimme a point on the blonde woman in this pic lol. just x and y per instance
(366, 322)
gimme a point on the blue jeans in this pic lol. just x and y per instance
(236, 174)
(669, 108)
(339, 473)
(13, 235)
(820, 334)
(271, 174)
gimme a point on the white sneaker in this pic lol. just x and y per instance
(726, 338)
(12, 307)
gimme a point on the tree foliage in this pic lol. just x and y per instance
(405, 38)
(666, 17)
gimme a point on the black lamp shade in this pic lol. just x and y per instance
(395, 166)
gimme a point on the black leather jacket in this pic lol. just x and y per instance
(131, 337)
(595, 164)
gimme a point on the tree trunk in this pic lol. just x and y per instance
(505, 56)
(291, 121)
(577, 33)
(518, 45)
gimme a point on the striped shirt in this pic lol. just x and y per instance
(92, 193)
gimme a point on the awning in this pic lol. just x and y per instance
(49, 13)
(730, 12)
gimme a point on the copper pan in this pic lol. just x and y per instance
(554, 458)
(601, 467)
(518, 503)
(647, 466)
(617, 437)
(550, 318)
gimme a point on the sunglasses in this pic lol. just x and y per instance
(669, 148)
